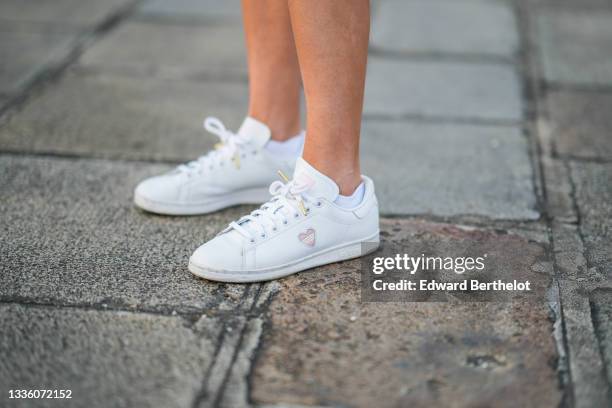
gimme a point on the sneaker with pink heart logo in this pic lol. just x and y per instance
(301, 227)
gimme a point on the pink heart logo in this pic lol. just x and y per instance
(308, 237)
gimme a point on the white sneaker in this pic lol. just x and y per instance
(238, 171)
(299, 228)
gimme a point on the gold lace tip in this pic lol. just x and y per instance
(236, 161)
(302, 207)
(282, 175)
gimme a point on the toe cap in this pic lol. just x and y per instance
(222, 253)
(163, 189)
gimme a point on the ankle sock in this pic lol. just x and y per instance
(353, 200)
(289, 147)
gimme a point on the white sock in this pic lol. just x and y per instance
(353, 200)
(289, 147)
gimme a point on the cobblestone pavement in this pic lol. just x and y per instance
(487, 124)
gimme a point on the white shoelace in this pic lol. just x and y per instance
(289, 200)
(227, 148)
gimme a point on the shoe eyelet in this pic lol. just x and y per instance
(274, 229)
(252, 241)
(296, 215)
(285, 222)
(319, 204)
(263, 235)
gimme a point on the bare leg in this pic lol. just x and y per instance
(274, 74)
(331, 38)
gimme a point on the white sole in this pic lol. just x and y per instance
(338, 253)
(249, 196)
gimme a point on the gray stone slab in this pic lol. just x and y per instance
(71, 235)
(111, 116)
(576, 46)
(593, 192)
(191, 9)
(236, 392)
(25, 53)
(446, 26)
(580, 124)
(588, 386)
(324, 346)
(575, 323)
(438, 89)
(559, 201)
(171, 50)
(602, 319)
(106, 359)
(72, 12)
(449, 169)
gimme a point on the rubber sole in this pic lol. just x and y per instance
(249, 196)
(338, 253)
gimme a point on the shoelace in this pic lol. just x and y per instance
(227, 148)
(289, 200)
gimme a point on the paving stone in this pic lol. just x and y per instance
(576, 46)
(588, 382)
(110, 116)
(575, 324)
(449, 169)
(443, 89)
(324, 346)
(25, 53)
(72, 12)
(236, 389)
(569, 253)
(192, 9)
(559, 200)
(593, 185)
(602, 318)
(71, 235)
(219, 373)
(580, 123)
(105, 358)
(170, 49)
(446, 26)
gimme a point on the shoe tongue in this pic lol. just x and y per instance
(321, 186)
(255, 131)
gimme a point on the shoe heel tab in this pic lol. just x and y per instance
(369, 199)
